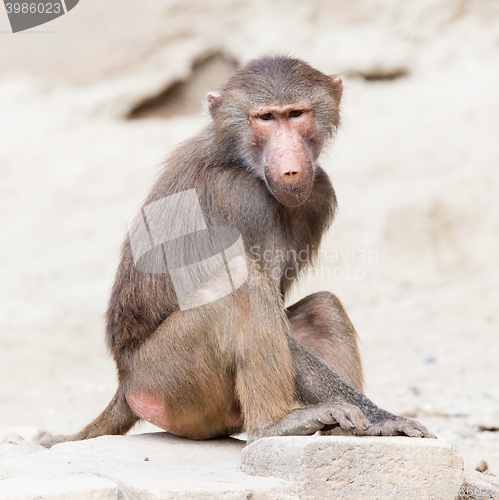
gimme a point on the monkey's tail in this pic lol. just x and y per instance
(116, 419)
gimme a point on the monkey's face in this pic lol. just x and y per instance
(285, 143)
(272, 117)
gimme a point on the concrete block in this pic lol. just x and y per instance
(347, 467)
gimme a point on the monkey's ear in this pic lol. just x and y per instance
(212, 98)
(337, 83)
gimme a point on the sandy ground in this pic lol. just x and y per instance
(412, 253)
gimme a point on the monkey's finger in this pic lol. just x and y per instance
(349, 417)
(429, 435)
(363, 424)
(399, 426)
(411, 428)
(415, 429)
(353, 419)
(412, 432)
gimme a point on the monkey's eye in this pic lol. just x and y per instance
(295, 113)
(266, 116)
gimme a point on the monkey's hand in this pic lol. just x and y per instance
(398, 426)
(309, 420)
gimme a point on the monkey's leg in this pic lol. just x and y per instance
(212, 369)
(326, 400)
(320, 323)
(182, 379)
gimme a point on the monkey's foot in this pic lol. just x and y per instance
(398, 426)
(309, 420)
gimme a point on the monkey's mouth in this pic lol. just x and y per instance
(290, 196)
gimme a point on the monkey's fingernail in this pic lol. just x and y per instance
(352, 425)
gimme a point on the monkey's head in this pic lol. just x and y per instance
(275, 114)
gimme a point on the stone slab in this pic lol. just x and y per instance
(156, 466)
(59, 487)
(344, 467)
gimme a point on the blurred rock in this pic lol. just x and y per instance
(487, 422)
(358, 38)
(437, 233)
(482, 466)
(186, 97)
(480, 486)
(13, 445)
(29, 433)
